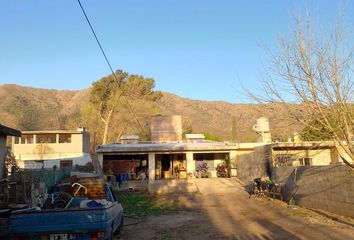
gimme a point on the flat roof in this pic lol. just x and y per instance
(303, 145)
(166, 147)
(50, 131)
(9, 131)
(207, 146)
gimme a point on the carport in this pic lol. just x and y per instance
(133, 166)
(164, 160)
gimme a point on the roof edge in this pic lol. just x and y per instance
(7, 131)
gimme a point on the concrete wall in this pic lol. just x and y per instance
(2, 154)
(255, 164)
(86, 142)
(330, 188)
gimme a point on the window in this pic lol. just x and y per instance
(17, 140)
(65, 138)
(27, 139)
(66, 164)
(46, 138)
(305, 161)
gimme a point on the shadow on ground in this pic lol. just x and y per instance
(221, 209)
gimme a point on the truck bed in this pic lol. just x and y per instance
(76, 221)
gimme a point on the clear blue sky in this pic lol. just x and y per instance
(198, 49)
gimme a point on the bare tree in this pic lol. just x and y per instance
(312, 71)
(43, 151)
(10, 161)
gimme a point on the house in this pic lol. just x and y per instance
(170, 157)
(166, 156)
(49, 148)
(308, 153)
(4, 132)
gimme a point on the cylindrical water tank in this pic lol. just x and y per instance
(262, 124)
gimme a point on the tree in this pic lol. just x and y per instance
(313, 70)
(187, 127)
(213, 138)
(43, 151)
(123, 98)
(10, 162)
(315, 132)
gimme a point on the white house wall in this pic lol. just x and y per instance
(50, 163)
(318, 156)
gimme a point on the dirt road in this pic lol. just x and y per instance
(222, 210)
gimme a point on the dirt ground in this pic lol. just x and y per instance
(222, 210)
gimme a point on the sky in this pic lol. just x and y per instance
(199, 49)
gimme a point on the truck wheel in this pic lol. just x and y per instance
(62, 200)
(111, 235)
(119, 229)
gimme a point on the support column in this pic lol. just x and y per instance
(233, 163)
(190, 163)
(334, 155)
(151, 166)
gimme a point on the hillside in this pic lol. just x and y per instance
(28, 108)
(215, 117)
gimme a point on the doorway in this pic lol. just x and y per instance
(170, 166)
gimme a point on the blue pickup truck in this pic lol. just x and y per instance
(95, 219)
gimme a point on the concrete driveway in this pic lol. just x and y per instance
(208, 186)
(222, 210)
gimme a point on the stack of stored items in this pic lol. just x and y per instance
(70, 194)
(94, 185)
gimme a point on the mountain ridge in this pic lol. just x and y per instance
(48, 108)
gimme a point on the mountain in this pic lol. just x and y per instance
(27, 108)
(215, 117)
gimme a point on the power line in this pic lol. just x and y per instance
(108, 63)
(94, 34)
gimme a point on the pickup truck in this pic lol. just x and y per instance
(95, 221)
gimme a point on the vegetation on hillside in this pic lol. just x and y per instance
(69, 109)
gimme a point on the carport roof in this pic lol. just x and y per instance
(166, 147)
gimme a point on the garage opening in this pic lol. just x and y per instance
(128, 167)
(170, 166)
(208, 164)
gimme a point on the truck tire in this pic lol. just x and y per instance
(111, 235)
(62, 200)
(119, 229)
